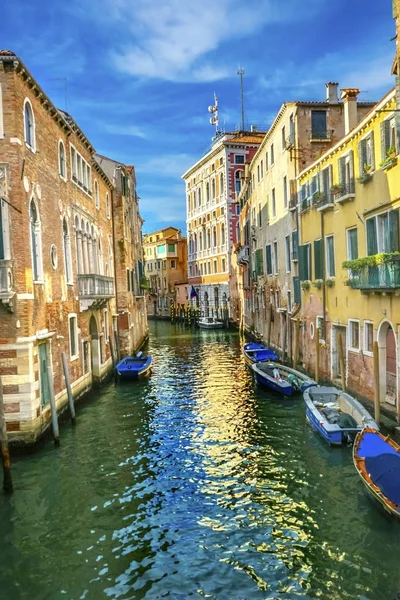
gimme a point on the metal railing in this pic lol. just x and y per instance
(95, 286)
(6, 279)
(380, 277)
(344, 190)
(323, 200)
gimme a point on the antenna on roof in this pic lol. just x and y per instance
(214, 111)
(240, 72)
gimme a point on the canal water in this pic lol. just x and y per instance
(193, 484)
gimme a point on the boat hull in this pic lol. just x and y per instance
(129, 369)
(264, 376)
(254, 352)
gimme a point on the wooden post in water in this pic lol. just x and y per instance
(117, 350)
(54, 417)
(269, 325)
(112, 351)
(317, 354)
(377, 384)
(296, 344)
(341, 360)
(68, 386)
(5, 456)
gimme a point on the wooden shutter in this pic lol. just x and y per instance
(372, 241)
(318, 260)
(351, 162)
(303, 263)
(342, 170)
(269, 259)
(295, 245)
(394, 230)
(385, 138)
(361, 157)
(371, 137)
(296, 289)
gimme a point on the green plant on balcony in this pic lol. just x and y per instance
(358, 264)
(144, 283)
(304, 204)
(390, 158)
(365, 176)
(318, 197)
(318, 283)
(367, 168)
(336, 189)
(330, 282)
(305, 285)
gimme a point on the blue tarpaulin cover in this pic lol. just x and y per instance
(384, 471)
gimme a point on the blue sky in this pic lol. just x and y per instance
(141, 73)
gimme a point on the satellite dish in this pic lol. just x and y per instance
(212, 109)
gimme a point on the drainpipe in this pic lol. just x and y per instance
(323, 331)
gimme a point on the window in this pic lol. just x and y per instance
(215, 266)
(171, 247)
(262, 169)
(96, 194)
(276, 258)
(352, 243)
(238, 182)
(36, 243)
(223, 265)
(295, 245)
(67, 252)
(213, 189)
(273, 203)
(285, 192)
(318, 125)
(272, 155)
(305, 262)
(368, 337)
(330, 256)
(73, 337)
(259, 215)
(221, 184)
(61, 160)
(354, 335)
(289, 301)
(383, 233)
(388, 137)
(291, 130)
(108, 208)
(85, 349)
(207, 192)
(258, 173)
(29, 125)
(173, 264)
(266, 161)
(366, 156)
(239, 159)
(81, 171)
(106, 335)
(287, 254)
(283, 138)
(268, 256)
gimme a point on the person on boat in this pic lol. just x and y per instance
(276, 374)
(294, 382)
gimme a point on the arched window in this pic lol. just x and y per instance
(207, 192)
(61, 160)
(199, 197)
(200, 241)
(222, 234)
(221, 184)
(67, 252)
(29, 125)
(208, 239)
(213, 189)
(214, 237)
(238, 182)
(108, 208)
(36, 243)
(96, 194)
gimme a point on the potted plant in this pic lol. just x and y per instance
(305, 285)
(390, 157)
(318, 283)
(330, 282)
(391, 152)
(367, 168)
(336, 189)
(317, 197)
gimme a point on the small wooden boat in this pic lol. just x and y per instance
(131, 368)
(210, 323)
(255, 352)
(280, 378)
(377, 460)
(336, 415)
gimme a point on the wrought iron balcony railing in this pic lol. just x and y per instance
(95, 287)
(345, 191)
(323, 200)
(380, 277)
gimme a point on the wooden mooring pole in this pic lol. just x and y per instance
(317, 354)
(69, 390)
(377, 385)
(5, 455)
(341, 361)
(54, 417)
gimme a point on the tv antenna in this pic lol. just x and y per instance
(214, 120)
(240, 72)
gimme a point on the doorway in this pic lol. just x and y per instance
(387, 363)
(335, 357)
(95, 348)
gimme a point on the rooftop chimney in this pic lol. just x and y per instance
(349, 97)
(332, 92)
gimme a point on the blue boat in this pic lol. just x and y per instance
(132, 368)
(280, 378)
(255, 352)
(377, 460)
(336, 415)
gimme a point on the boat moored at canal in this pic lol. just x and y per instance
(210, 323)
(255, 352)
(280, 378)
(133, 368)
(336, 415)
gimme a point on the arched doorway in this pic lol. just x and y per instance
(94, 347)
(387, 363)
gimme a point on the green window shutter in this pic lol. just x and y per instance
(361, 159)
(372, 240)
(394, 230)
(269, 259)
(171, 247)
(371, 137)
(351, 162)
(385, 138)
(296, 289)
(140, 269)
(318, 262)
(303, 263)
(295, 245)
(342, 170)
(259, 267)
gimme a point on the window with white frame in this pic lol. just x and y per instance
(173, 264)
(61, 160)
(80, 171)
(73, 336)
(354, 335)
(36, 243)
(215, 266)
(96, 194)
(368, 337)
(239, 159)
(29, 125)
(272, 154)
(330, 256)
(108, 207)
(262, 169)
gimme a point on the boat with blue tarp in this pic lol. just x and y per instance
(280, 378)
(255, 352)
(377, 460)
(336, 415)
(132, 368)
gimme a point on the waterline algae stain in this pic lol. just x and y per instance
(194, 483)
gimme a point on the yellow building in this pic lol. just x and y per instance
(165, 255)
(349, 211)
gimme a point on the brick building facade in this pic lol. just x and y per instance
(57, 286)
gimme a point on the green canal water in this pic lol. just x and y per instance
(193, 484)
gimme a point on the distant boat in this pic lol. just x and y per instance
(134, 367)
(336, 415)
(255, 352)
(280, 378)
(210, 323)
(377, 460)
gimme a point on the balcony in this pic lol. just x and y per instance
(243, 255)
(345, 192)
(379, 278)
(323, 201)
(7, 290)
(94, 290)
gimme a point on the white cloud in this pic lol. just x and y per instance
(127, 130)
(173, 165)
(171, 39)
